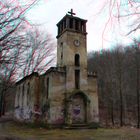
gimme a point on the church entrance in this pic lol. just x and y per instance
(77, 109)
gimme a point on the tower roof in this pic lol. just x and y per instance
(71, 23)
(69, 16)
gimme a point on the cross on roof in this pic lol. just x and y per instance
(71, 12)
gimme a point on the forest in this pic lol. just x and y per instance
(118, 74)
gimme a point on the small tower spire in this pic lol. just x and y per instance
(71, 12)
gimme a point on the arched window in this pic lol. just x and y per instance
(77, 60)
(47, 81)
(28, 93)
(22, 95)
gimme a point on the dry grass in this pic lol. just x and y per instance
(22, 131)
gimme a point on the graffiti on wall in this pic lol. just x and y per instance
(23, 113)
(77, 109)
(57, 115)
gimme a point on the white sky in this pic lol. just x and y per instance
(48, 13)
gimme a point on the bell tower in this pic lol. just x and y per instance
(72, 49)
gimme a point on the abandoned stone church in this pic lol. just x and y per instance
(65, 94)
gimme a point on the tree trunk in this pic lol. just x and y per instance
(121, 100)
(2, 104)
(138, 101)
(112, 113)
(138, 109)
(121, 108)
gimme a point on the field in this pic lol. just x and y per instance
(12, 131)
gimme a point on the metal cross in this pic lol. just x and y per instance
(71, 12)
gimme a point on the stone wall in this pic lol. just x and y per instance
(53, 104)
(57, 97)
(47, 98)
(25, 99)
(93, 95)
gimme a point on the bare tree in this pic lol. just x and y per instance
(12, 21)
(122, 20)
(38, 54)
(11, 41)
(119, 12)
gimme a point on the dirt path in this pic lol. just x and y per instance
(12, 131)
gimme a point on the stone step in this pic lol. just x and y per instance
(5, 118)
(77, 126)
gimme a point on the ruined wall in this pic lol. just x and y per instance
(93, 96)
(9, 101)
(53, 103)
(25, 99)
(43, 98)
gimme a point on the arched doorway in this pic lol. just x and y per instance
(78, 108)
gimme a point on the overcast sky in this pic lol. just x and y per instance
(102, 32)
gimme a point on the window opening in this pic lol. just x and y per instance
(22, 95)
(77, 60)
(71, 23)
(76, 25)
(77, 79)
(28, 96)
(47, 94)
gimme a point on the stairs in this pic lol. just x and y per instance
(77, 126)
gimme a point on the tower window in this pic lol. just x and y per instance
(58, 29)
(64, 24)
(77, 79)
(82, 27)
(76, 25)
(77, 60)
(61, 27)
(71, 23)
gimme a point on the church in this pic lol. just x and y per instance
(65, 94)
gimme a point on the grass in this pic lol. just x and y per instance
(26, 132)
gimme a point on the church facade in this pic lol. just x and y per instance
(65, 94)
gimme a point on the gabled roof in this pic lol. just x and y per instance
(52, 69)
(27, 77)
(55, 69)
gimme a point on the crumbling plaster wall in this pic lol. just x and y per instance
(56, 95)
(25, 99)
(93, 95)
